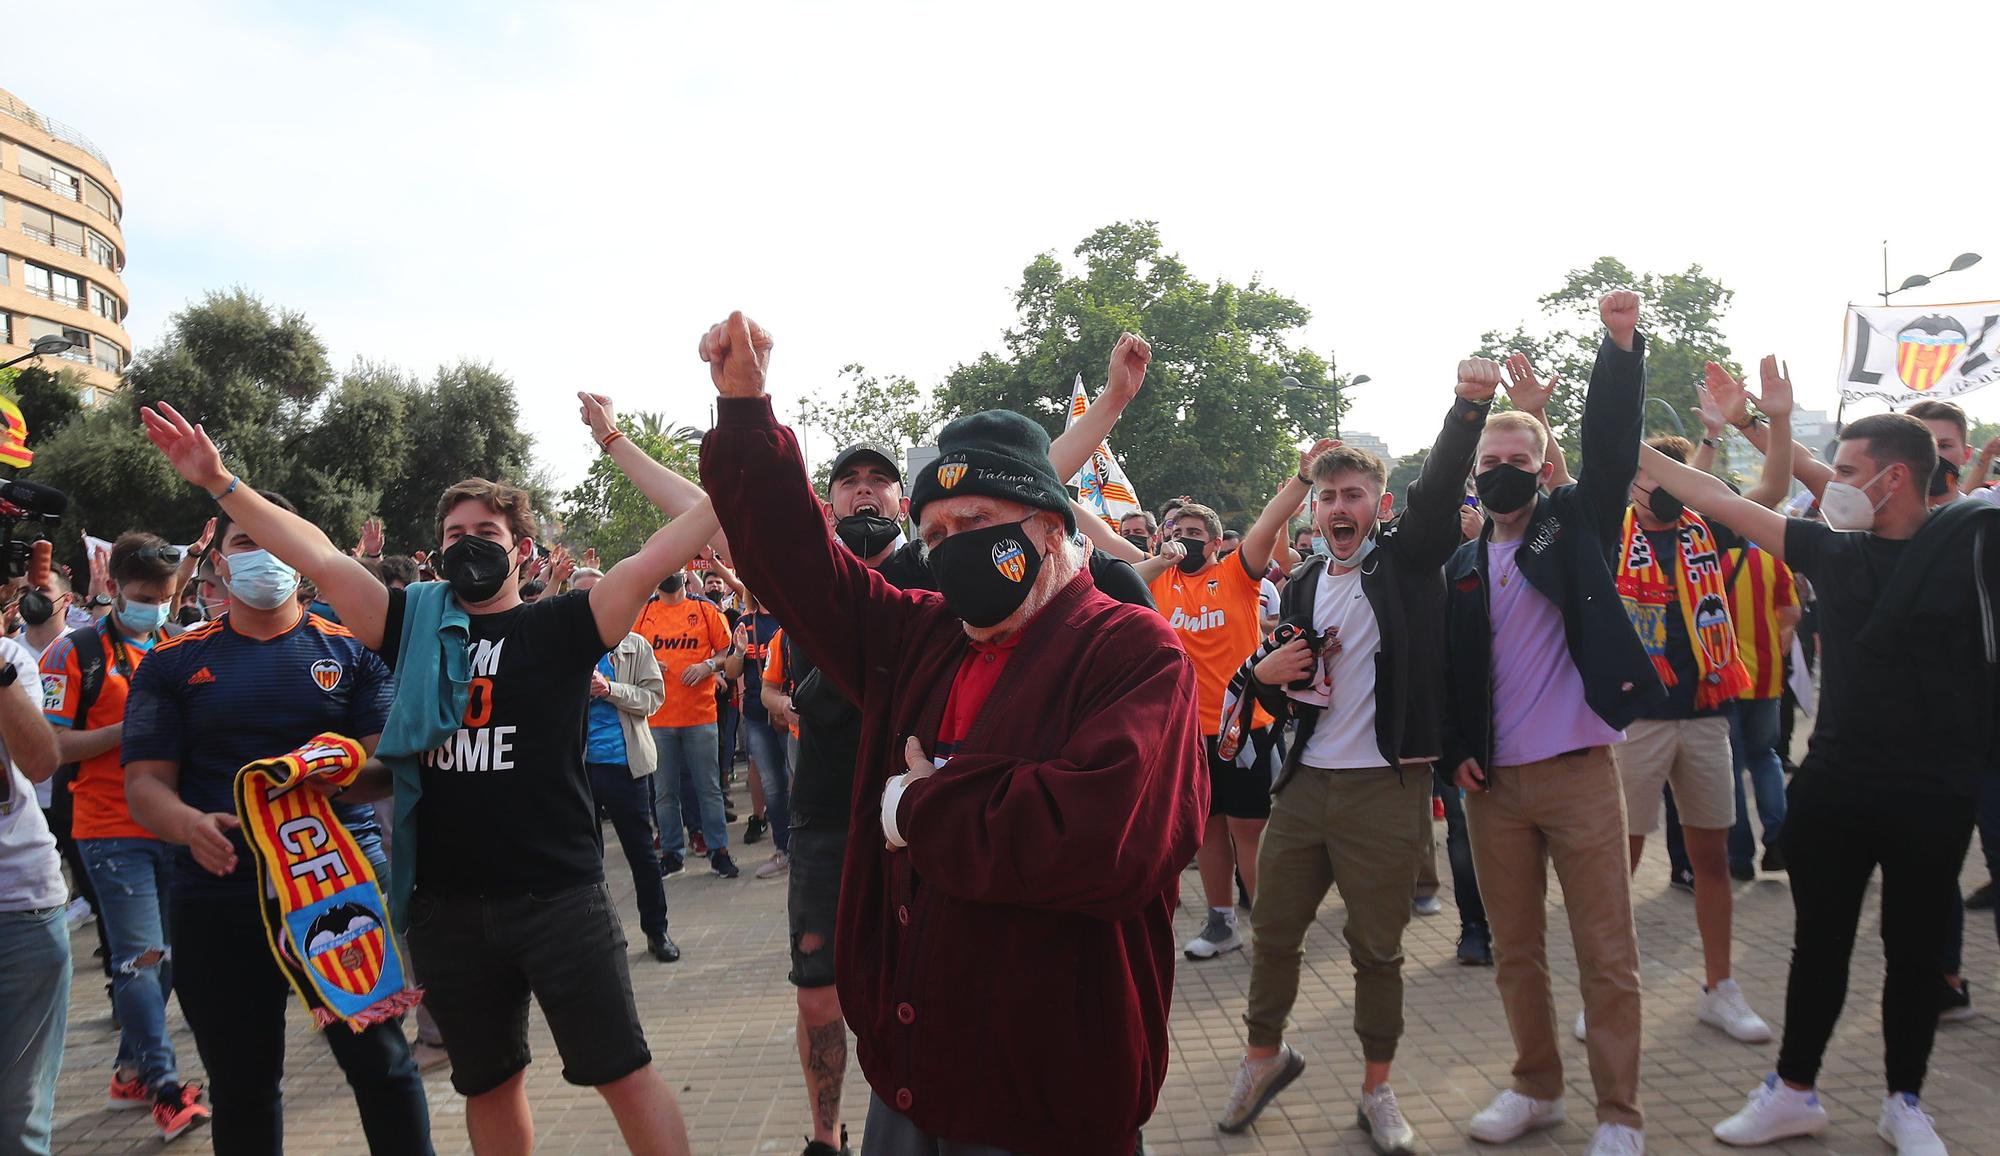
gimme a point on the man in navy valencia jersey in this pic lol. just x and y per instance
(258, 682)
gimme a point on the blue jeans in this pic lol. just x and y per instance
(767, 750)
(1753, 738)
(34, 991)
(688, 763)
(130, 875)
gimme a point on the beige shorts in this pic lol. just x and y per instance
(1692, 754)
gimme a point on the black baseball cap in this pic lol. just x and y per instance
(875, 450)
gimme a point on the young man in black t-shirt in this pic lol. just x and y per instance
(1893, 767)
(510, 897)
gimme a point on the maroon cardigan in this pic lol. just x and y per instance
(1008, 974)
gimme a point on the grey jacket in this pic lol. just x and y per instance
(637, 690)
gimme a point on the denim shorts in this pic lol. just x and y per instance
(481, 959)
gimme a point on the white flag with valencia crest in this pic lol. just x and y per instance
(1101, 484)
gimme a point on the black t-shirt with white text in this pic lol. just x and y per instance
(507, 808)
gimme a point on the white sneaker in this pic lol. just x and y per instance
(1775, 1112)
(77, 913)
(1723, 1006)
(1581, 1029)
(1428, 905)
(776, 865)
(1388, 1133)
(1217, 936)
(1617, 1140)
(1907, 1128)
(1257, 1084)
(1511, 1116)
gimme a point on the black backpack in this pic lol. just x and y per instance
(89, 644)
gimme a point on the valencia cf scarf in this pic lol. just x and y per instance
(1702, 601)
(324, 916)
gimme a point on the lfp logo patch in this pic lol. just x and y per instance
(1009, 559)
(950, 474)
(326, 672)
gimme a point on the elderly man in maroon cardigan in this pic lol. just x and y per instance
(1029, 785)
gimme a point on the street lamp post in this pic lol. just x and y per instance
(44, 347)
(1673, 415)
(1290, 382)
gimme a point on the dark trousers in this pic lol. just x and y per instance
(728, 720)
(237, 1002)
(627, 803)
(1836, 834)
(1458, 848)
(1988, 820)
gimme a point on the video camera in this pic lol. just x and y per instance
(28, 511)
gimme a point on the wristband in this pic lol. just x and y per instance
(1305, 481)
(228, 489)
(1711, 443)
(1754, 420)
(613, 436)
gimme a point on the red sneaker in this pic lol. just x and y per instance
(698, 845)
(179, 1111)
(130, 1093)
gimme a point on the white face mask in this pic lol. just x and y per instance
(1847, 507)
(1361, 553)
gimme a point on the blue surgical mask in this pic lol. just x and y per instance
(258, 580)
(139, 619)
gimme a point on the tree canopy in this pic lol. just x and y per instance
(605, 510)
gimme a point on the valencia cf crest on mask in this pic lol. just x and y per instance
(1010, 560)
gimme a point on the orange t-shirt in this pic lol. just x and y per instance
(1215, 613)
(774, 667)
(99, 789)
(682, 634)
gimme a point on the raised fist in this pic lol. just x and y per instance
(1620, 311)
(1129, 359)
(1478, 377)
(599, 414)
(738, 352)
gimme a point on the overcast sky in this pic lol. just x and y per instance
(574, 191)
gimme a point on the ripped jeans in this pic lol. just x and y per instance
(130, 876)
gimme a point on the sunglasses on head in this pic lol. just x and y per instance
(171, 555)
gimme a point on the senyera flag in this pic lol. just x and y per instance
(1101, 484)
(1906, 353)
(14, 435)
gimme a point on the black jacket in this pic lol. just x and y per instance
(1566, 556)
(1405, 587)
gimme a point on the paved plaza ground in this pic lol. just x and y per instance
(721, 1027)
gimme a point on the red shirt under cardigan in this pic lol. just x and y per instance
(1008, 974)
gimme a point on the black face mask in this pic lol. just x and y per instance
(866, 535)
(476, 568)
(1944, 479)
(986, 574)
(1141, 542)
(673, 585)
(1665, 506)
(36, 608)
(1195, 559)
(1504, 488)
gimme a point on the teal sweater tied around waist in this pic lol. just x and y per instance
(433, 672)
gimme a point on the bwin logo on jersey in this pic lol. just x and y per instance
(1195, 623)
(1009, 560)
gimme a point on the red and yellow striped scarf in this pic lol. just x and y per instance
(1702, 592)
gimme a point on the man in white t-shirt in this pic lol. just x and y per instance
(1352, 805)
(34, 940)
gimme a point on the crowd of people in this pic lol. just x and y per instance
(988, 730)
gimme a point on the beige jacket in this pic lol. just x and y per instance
(637, 690)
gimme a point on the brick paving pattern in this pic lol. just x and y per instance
(721, 1026)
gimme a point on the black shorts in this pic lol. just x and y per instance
(480, 959)
(818, 848)
(1241, 792)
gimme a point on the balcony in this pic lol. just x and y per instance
(48, 238)
(80, 356)
(48, 294)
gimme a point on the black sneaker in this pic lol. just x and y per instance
(1683, 880)
(822, 1148)
(1955, 1003)
(722, 866)
(662, 948)
(671, 865)
(1982, 899)
(1743, 872)
(1774, 860)
(1475, 946)
(755, 829)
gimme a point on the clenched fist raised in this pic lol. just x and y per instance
(1478, 377)
(738, 352)
(1620, 311)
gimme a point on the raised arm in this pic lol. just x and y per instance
(1127, 371)
(1613, 413)
(1101, 535)
(1429, 527)
(1734, 401)
(666, 489)
(1709, 496)
(1774, 484)
(1262, 540)
(1529, 395)
(360, 599)
(618, 596)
